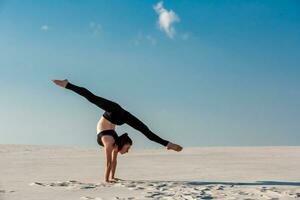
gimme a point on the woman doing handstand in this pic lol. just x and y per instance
(106, 135)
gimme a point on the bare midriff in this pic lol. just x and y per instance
(104, 124)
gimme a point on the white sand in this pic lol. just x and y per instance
(51, 172)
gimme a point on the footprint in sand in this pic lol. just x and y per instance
(161, 185)
(221, 187)
(93, 198)
(169, 194)
(206, 197)
(70, 184)
(139, 188)
(154, 194)
(88, 187)
(149, 184)
(264, 189)
(243, 193)
(124, 198)
(206, 189)
(138, 182)
(58, 183)
(187, 197)
(37, 183)
(130, 186)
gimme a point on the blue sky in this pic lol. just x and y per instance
(198, 73)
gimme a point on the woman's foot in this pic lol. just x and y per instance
(175, 147)
(61, 83)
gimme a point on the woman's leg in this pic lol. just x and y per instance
(102, 103)
(135, 123)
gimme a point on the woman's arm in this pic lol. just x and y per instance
(108, 153)
(114, 162)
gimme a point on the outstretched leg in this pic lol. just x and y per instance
(101, 102)
(135, 123)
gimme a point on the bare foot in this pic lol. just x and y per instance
(61, 83)
(174, 147)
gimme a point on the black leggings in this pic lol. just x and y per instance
(111, 106)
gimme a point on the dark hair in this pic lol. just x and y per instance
(124, 139)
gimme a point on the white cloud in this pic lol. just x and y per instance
(95, 28)
(166, 19)
(45, 27)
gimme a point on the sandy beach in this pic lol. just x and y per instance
(57, 172)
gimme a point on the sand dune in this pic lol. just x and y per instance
(53, 172)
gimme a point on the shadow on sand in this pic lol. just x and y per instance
(263, 183)
(199, 183)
